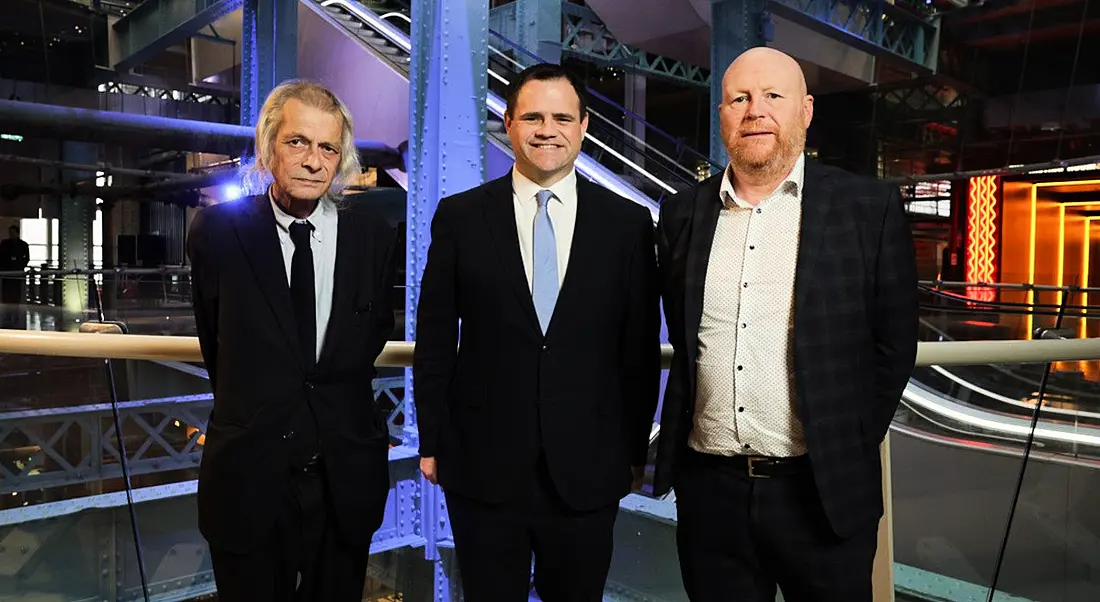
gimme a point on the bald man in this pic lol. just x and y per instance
(790, 293)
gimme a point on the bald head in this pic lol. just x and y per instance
(761, 62)
(765, 113)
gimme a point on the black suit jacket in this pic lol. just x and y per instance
(584, 394)
(263, 391)
(855, 328)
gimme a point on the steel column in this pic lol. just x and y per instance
(269, 52)
(538, 28)
(75, 228)
(736, 26)
(447, 95)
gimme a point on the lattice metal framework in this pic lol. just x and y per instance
(587, 37)
(168, 94)
(75, 445)
(874, 22)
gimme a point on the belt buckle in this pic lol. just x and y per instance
(752, 470)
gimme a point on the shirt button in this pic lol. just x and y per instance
(751, 247)
(740, 409)
(289, 435)
(740, 367)
(745, 285)
(758, 211)
(747, 446)
(743, 325)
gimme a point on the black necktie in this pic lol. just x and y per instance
(301, 291)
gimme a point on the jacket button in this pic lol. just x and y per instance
(289, 435)
(309, 384)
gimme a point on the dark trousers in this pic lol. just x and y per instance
(494, 544)
(739, 537)
(304, 559)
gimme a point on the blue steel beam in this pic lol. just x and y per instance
(538, 28)
(448, 86)
(741, 23)
(269, 51)
(873, 26)
(155, 25)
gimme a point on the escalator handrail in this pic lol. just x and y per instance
(615, 105)
(1001, 424)
(395, 36)
(584, 164)
(644, 146)
(1060, 390)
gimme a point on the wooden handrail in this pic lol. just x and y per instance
(400, 353)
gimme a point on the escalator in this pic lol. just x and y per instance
(994, 403)
(372, 76)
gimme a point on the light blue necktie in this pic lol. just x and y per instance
(544, 285)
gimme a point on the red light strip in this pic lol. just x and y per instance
(981, 239)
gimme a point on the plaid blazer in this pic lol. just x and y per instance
(855, 328)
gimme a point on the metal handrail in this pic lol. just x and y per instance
(1013, 286)
(400, 353)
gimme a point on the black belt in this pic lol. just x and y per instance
(766, 467)
(757, 467)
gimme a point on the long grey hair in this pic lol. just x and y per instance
(257, 175)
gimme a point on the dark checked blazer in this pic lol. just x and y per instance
(855, 329)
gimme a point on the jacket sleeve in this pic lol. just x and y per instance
(204, 290)
(895, 312)
(383, 315)
(436, 350)
(641, 342)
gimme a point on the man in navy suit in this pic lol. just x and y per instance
(539, 424)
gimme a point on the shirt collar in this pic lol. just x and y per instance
(284, 219)
(564, 189)
(791, 185)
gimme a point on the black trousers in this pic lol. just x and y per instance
(739, 537)
(494, 544)
(304, 560)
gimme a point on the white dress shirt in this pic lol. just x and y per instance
(745, 398)
(562, 210)
(322, 243)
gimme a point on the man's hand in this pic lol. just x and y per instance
(639, 474)
(427, 468)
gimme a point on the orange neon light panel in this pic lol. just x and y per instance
(981, 235)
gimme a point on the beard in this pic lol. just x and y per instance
(745, 158)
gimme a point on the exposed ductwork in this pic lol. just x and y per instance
(105, 127)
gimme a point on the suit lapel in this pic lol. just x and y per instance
(256, 231)
(346, 278)
(817, 199)
(501, 217)
(703, 225)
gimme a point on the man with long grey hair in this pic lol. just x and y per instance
(291, 297)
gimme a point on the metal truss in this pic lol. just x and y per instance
(159, 93)
(76, 445)
(872, 22)
(587, 37)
